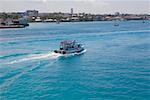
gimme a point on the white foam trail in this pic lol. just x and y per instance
(50, 55)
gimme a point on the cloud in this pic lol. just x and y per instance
(55, 0)
(88, 6)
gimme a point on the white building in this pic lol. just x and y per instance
(38, 19)
(32, 13)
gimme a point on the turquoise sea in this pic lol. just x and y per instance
(116, 65)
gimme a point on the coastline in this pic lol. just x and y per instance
(23, 26)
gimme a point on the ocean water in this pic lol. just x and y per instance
(116, 65)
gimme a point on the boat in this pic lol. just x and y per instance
(58, 22)
(116, 24)
(70, 47)
(143, 22)
(11, 26)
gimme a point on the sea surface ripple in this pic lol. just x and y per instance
(116, 65)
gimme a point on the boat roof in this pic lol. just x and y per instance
(67, 42)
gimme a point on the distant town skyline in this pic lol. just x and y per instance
(79, 6)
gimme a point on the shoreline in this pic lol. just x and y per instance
(86, 21)
(23, 26)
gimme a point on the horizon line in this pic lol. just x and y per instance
(74, 12)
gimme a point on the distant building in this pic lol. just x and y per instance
(32, 13)
(71, 11)
(133, 17)
(66, 15)
(98, 18)
(75, 19)
(48, 20)
(38, 19)
(117, 13)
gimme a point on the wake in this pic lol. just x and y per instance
(73, 54)
(33, 57)
(50, 55)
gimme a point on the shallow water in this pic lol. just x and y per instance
(115, 67)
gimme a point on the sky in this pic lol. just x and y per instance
(87, 6)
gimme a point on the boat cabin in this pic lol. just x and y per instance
(66, 45)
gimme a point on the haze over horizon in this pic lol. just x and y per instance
(87, 6)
